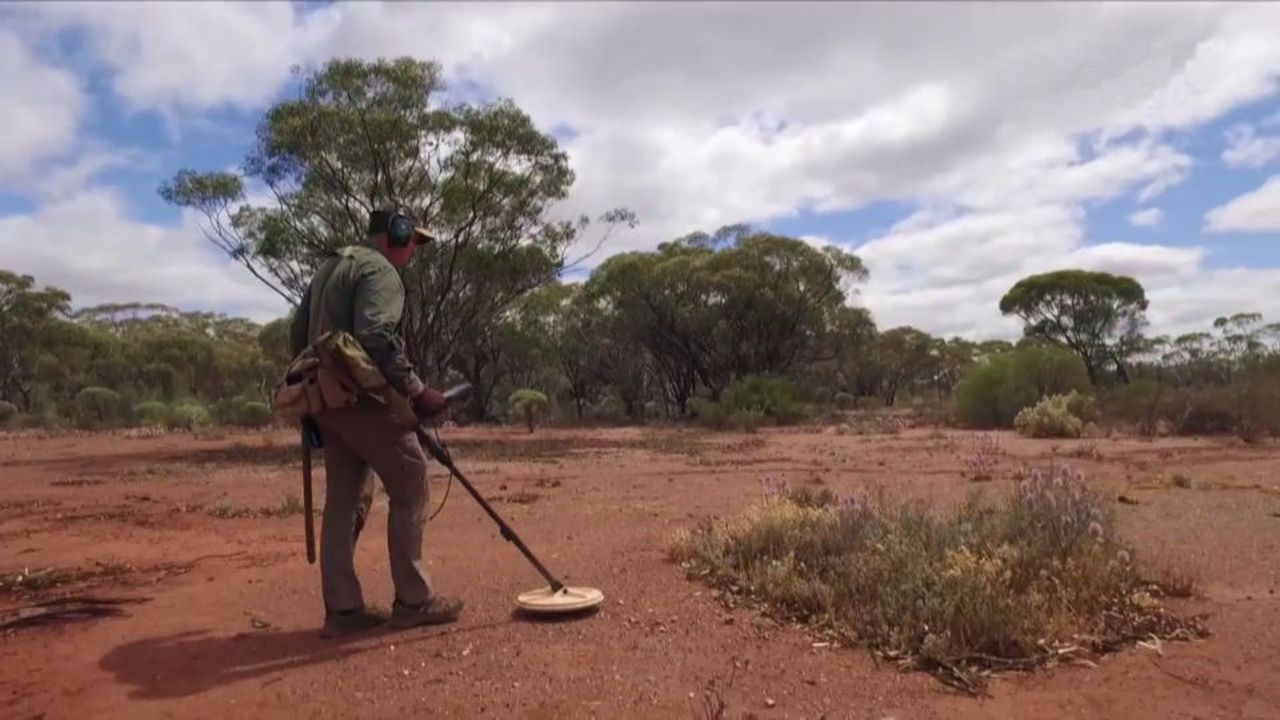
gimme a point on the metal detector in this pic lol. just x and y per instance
(556, 597)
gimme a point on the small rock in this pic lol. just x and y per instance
(259, 623)
(770, 702)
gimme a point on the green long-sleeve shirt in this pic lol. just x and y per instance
(364, 296)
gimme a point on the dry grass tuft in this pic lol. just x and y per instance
(523, 497)
(288, 506)
(1015, 585)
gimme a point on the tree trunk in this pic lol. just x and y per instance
(1121, 371)
(1090, 369)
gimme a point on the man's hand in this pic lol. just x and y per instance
(430, 405)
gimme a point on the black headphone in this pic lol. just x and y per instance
(399, 227)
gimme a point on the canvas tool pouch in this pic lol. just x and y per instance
(334, 371)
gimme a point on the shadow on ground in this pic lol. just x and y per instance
(191, 663)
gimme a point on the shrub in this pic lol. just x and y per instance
(241, 412)
(745, 420)
(1142, 403)
(1083, 406)
(151, 413)
(529, 405)
(720, 416)
(36, 421)
(1257, 403)
(608, 409)
(1051, 417)
(188, 415)
(7, 411)
(98, 405)
(845, 401)
(1204, 411)
(994, 391)
(708, 413)
(984, 461)
(770, 397)
(1012, 584)
(255, 413)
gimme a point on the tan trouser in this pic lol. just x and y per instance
(357, 439)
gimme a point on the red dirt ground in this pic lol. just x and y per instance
(232, 607)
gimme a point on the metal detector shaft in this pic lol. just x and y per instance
(308, 518)
(442, 456)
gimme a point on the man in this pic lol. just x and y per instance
(359, 290)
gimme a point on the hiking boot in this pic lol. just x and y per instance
(437, 611)
(337, 624)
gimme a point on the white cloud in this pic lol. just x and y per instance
(1246, 149)
(1193, 302)
(1149, 217)
(101, 255)
(180, 56)
(62, 181)
(1000, 123)
(1236, 62)
(948, 277)
(1255, 211)
(43, 109)
(1150, 263)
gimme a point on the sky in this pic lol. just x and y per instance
(955, 148)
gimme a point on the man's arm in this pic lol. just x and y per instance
(379, 305)
(299, 326)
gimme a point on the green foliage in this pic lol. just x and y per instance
(187, 415)
(29, 319)
(1097, 315)
(770, 397)
(241, 412)
(1052, 417)
(37, 421)
(151, 413)
(748, 404)
(1082, 405)
(707, 309)
(7, 411)
(721, 416)
(93, 365)
(359, 135)
(904, 354)
(1257, 401)
(99, 406)
(995, 390)
(273, 340)
(845, 401)
(529, 405)
(955, 592)
(1143, 403)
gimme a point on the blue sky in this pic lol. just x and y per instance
(953, 169)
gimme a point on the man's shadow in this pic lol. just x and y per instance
(194, 662)
(191, 663)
